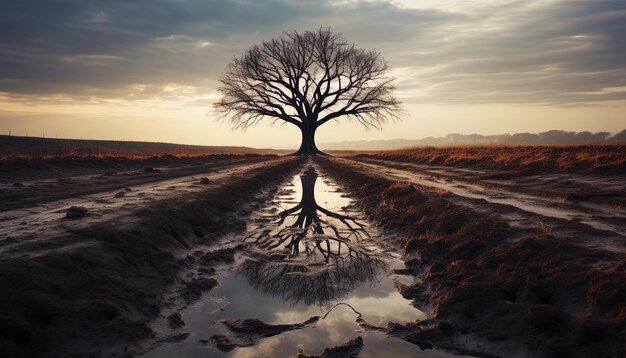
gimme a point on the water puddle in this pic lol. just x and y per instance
(310, 253)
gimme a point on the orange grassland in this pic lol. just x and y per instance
(561, 158)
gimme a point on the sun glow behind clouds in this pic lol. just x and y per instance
(451, 5)
(461, 66)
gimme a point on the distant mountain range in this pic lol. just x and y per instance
(549, 137)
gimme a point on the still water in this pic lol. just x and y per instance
(310, 252)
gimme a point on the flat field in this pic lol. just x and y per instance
(126, 250)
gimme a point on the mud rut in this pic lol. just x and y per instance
(310, 273)
(598, 226)
(308, 270)
(296, 270)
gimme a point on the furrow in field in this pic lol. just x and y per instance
(519, 208)
(45, 220)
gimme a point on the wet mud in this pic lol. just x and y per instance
(313, 275)
(319, 257)
(93, 289)
(494, 289)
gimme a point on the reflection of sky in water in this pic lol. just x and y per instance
(377, 300)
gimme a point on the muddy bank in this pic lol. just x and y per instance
(94, 290)
(492, 289)
(248, 331)
(349, 349)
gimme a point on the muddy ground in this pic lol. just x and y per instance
(498, 265)
(501, 266)
(90, 284)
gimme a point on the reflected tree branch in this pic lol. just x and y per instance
(314, 255)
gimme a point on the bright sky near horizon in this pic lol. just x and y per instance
(148, 70)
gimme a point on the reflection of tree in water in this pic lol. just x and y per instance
(314, 254)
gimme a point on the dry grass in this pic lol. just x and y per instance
(574, 158)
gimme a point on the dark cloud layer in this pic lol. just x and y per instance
(564, 52)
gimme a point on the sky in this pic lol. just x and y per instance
(149, 70)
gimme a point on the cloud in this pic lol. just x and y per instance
(552, 52)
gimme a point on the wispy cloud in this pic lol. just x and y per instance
(547, 52)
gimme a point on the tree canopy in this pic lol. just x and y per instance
(308, 79)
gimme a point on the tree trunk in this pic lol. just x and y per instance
(308, 146)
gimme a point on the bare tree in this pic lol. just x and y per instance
(307, 79)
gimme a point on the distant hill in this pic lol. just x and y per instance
(12, 145)
(549, 137)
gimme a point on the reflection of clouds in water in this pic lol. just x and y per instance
(310, 278)
(387, 305)
(377, 299)
(380, 311)
(331, 332)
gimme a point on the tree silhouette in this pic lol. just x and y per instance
(313, 255)
(307, 79)
(328, 235)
